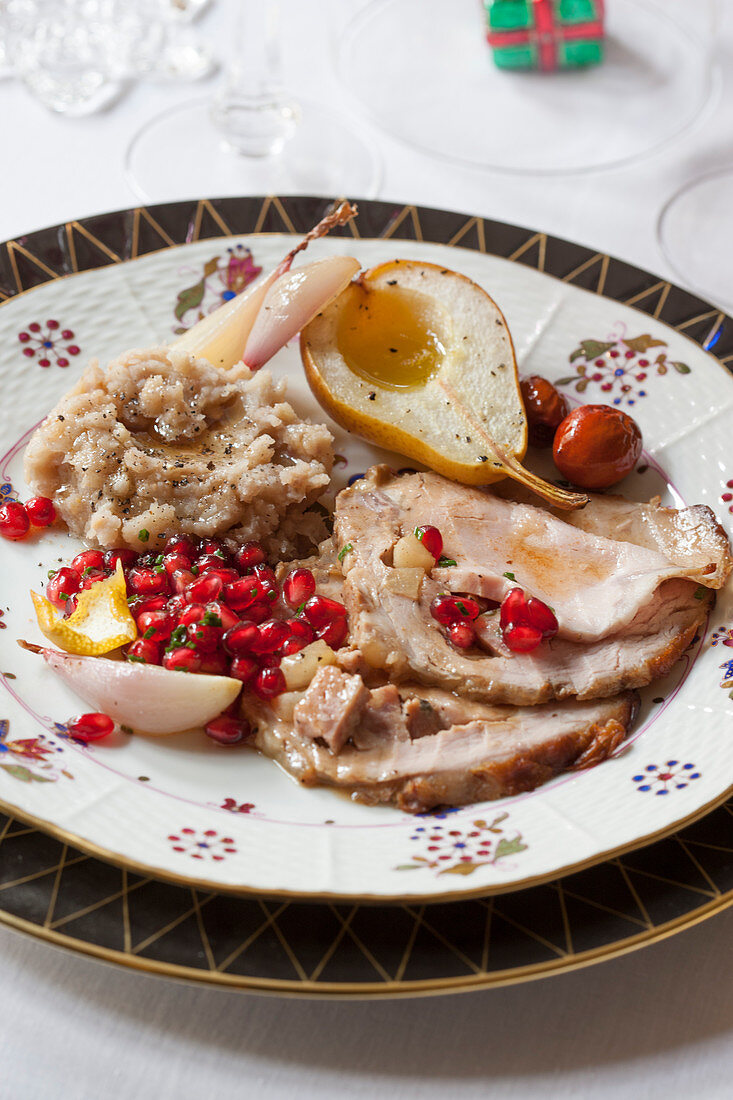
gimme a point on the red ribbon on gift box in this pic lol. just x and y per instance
(547, 32)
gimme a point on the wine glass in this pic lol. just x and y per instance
(451, 100)
(78, 56)
(695, 226)
(254, 136)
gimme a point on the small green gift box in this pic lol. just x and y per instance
(545, 34)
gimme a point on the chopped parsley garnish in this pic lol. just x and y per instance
(346, 550)
(143, 534)
(211, 619)
(445, 563)
(219, 554)
(509, 576)
(177, 638)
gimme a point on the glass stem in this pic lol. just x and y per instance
(253, 111)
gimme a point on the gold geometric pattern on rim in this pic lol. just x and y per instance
(472, 961)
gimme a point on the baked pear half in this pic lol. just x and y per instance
(419, 359)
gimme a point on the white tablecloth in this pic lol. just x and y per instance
(656, 1023)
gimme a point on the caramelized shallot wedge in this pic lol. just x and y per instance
(292, 301)
(221, 336)
(144, 697)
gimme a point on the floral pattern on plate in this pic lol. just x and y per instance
(621, 367)
(461, 851)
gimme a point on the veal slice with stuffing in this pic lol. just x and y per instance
(421, 747)
(631, 633)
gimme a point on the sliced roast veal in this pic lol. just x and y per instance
(437, 749)
(690, 537)
(398, 634)
(595, 581)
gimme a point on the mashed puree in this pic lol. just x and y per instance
(164, 443)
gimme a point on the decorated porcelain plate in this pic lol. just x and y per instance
(186, 809)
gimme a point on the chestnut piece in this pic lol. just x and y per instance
(596, 446)
(545, 407)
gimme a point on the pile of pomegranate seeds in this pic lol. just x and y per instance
(200, 608)
(16, 519)
(457, 613)
(525, 622)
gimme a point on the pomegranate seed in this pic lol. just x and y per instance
(215, 664)
(92, 576)
(225, 575)
(265, 573)
(321, 610)
(228, 731)
(90, 727)
(205, 637)
(240, 639)
(152, 603)
(257, 613)
(145, 650)
(211, 561)
(542, 617)
(243, 668)
(180, 581)
(513, 608)
(178, 544)
(462, 635)
(146, 582)
(192, 613)
(242, 593)
(127, 557)
(249, 555)
(301, 635)
(449, 609)
(40, 511)
(175, 605)
(270, 636)
(175, 562)
(298, 587)
(14, 522)
(213, 546)
(268, 683)
(522, 639)
(431, 539)
(65, 583)
(334, 633)
(228, 617)
(89, 559)
(203, 588)
(182, 659)
(156, 625)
